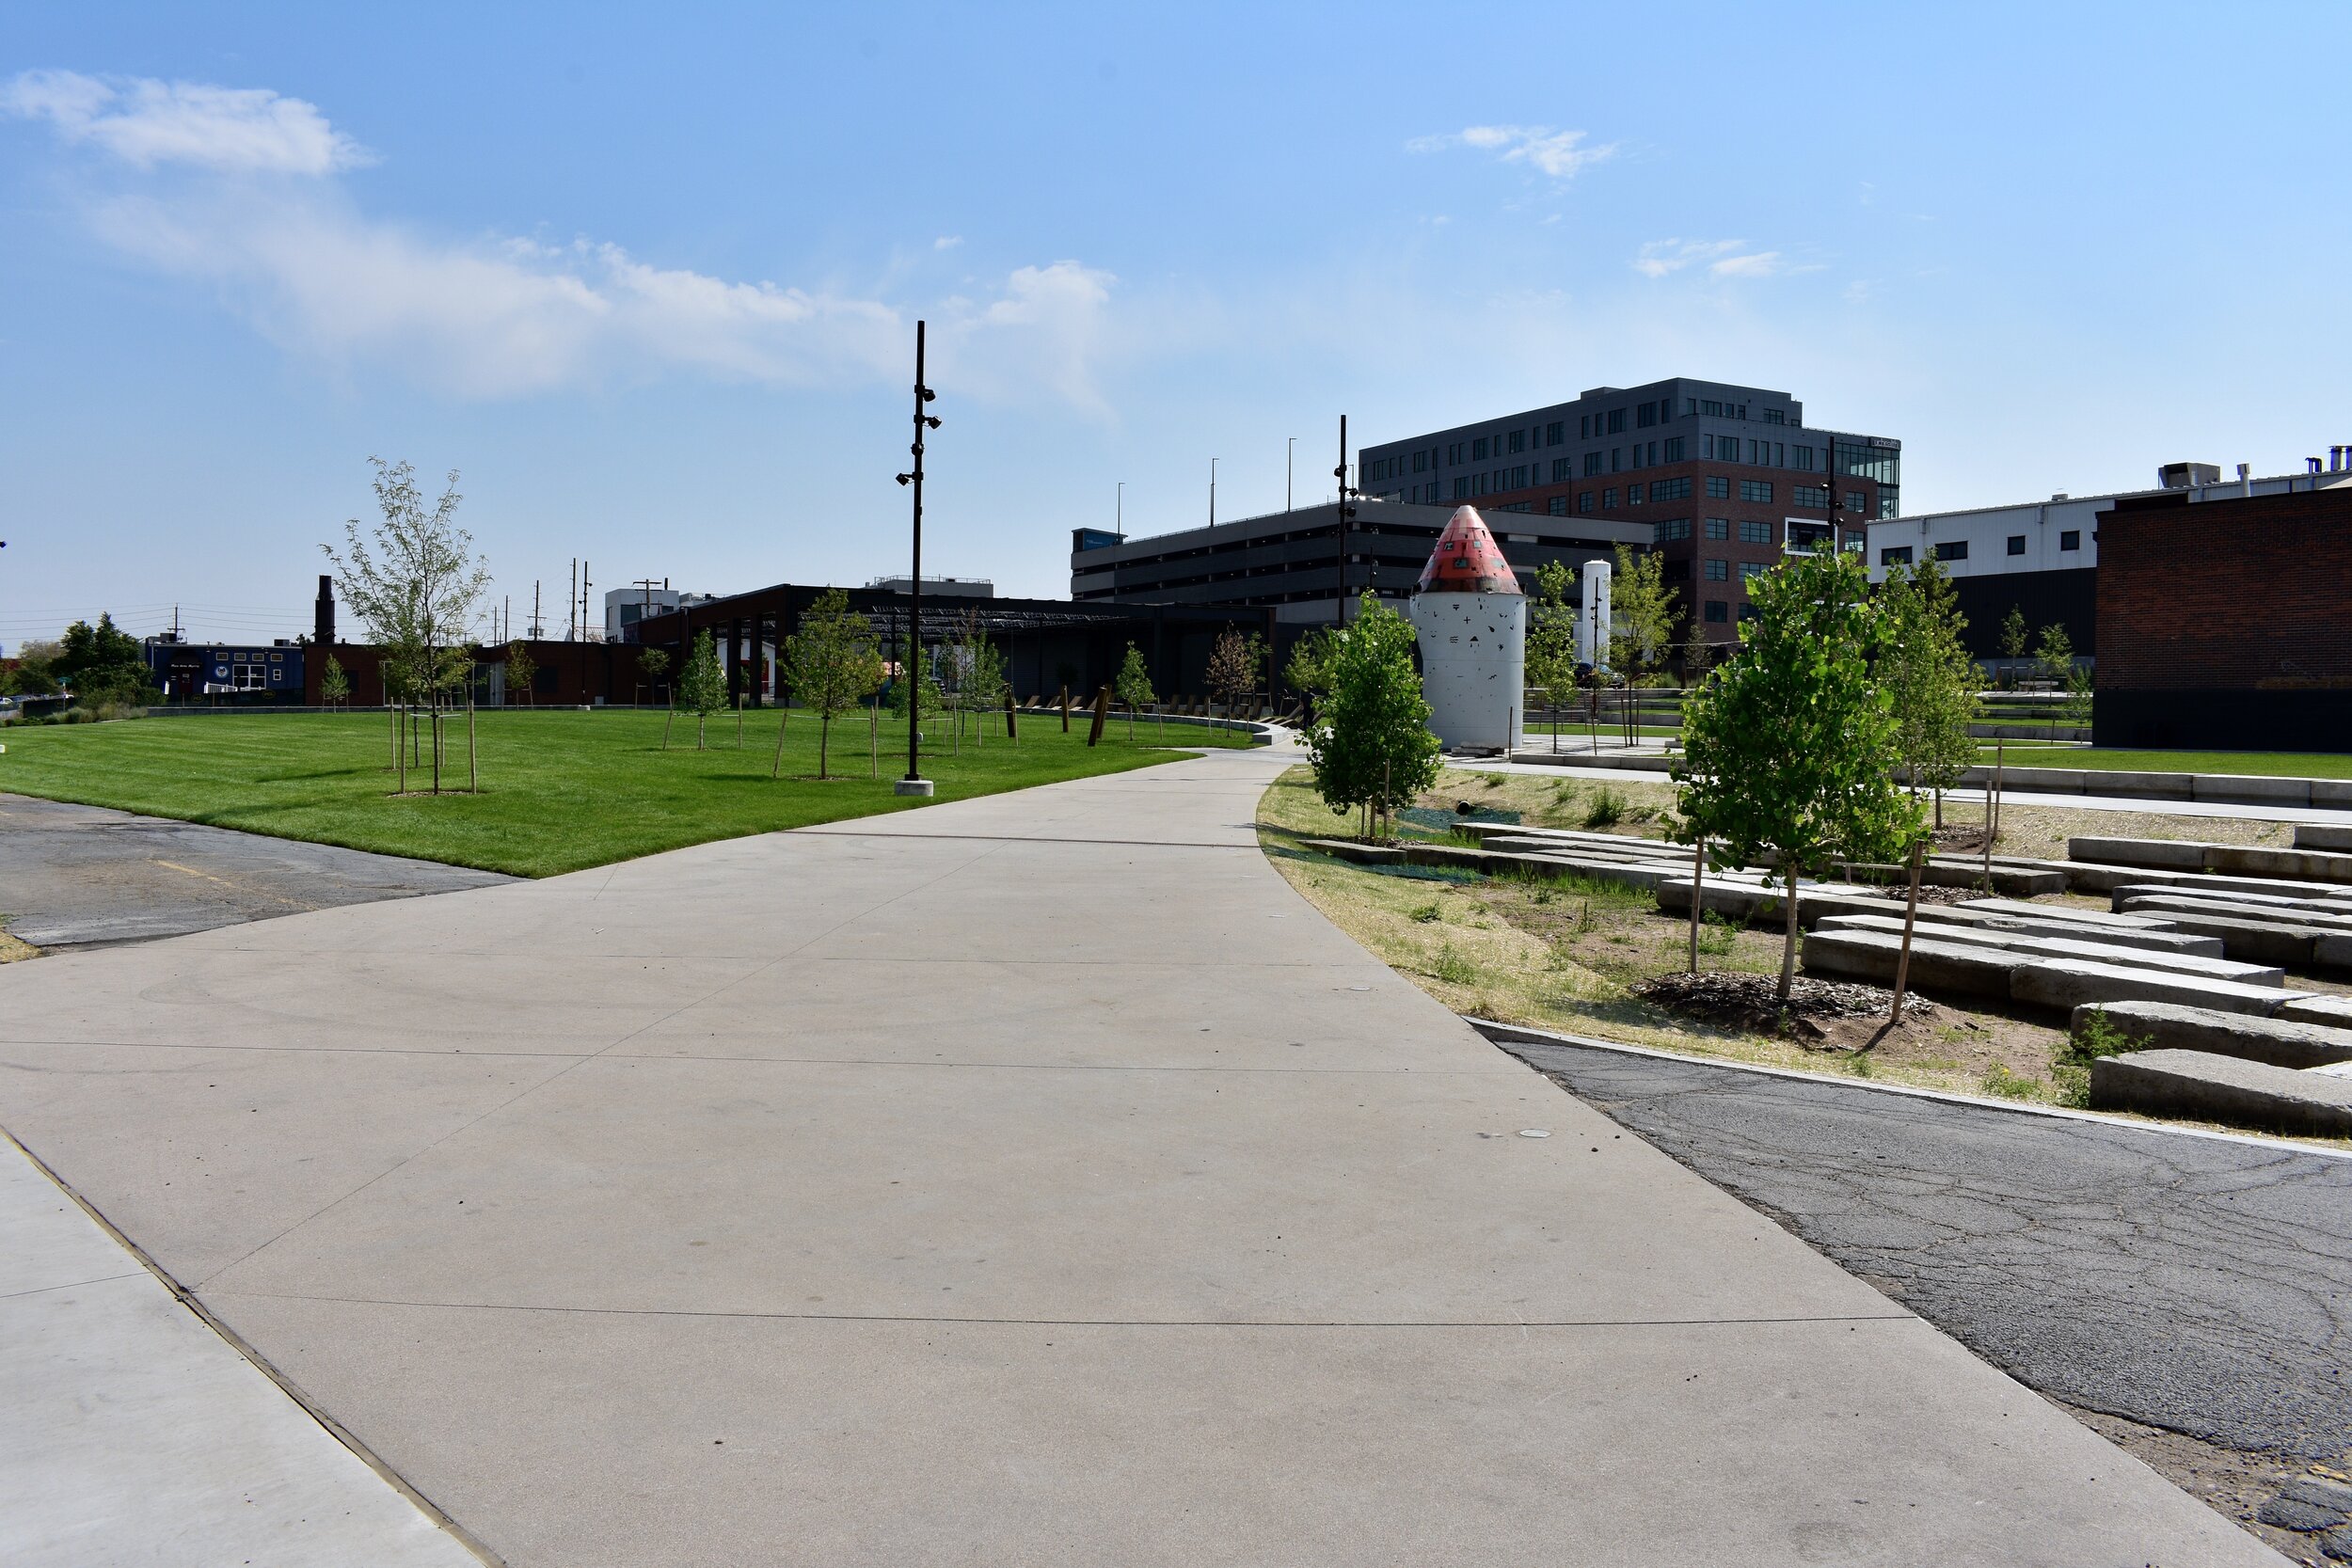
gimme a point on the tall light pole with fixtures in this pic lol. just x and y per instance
(1346, 510)
(1290, 454)
(914, 784)
(1119, 516)
(1212, 494)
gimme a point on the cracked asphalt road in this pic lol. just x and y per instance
(79, 876)
(2194, 1284)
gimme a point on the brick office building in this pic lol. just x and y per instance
(2226, 623)
(1726, 478)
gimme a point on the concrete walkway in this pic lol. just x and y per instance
(1030, 1179)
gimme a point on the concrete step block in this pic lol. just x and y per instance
(2247, 860)
(2223, 1089)
(2323, 835)
(2233, 891)
(2153, 786)
(2251, 789)
(2166, 854)
(2041, 944)
(2065, 984)
(1754, 901)
(2055, 924)
(2163, 905)
(2326, 893)
(2334, 1011)
(2279, 1041)
(2254, 942)
(1939, 967)
(2098, 919)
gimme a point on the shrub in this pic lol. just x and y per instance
(1450, 967)
(1427, 913)
(2095, 1037)
(1606, 809)
(2010, 1085)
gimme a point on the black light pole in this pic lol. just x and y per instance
(1347, 509)
(914, 784)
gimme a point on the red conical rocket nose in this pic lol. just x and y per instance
(1467, 560)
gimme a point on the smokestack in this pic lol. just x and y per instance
(2245, 480)
(323, 622)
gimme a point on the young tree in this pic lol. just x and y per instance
(702, 687)
(35, 674)
(1646, 611)
(1309, 672)
(521, 669)
(2013, 634)
(1789, 747)
(1233, 666)
(418, 589)
(1134, 686)
(915, 682)
(334, 683)
(831, 664)
(1928, 678)
(1551, 638)
(655, 662)
(1371, 745)
(102, 663)
(978, 667)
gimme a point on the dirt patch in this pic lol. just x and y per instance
(1818, 1013)
(12, 950)
(1931, 894)
(2233, 1484)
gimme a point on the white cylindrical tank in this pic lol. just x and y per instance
(1592, 616)
(1471, 621)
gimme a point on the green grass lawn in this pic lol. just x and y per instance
(560, 791)
(2305, 764)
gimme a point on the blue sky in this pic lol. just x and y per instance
(648, 276)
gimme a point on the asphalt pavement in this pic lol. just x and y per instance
(2202, 1285)
(76, 876)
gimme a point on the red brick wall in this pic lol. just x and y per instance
(2236, 595)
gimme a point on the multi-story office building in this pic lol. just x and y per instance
(1289, 561)
(1722, 479)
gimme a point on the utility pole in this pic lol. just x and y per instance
(571, 600)
(536, 630)
(914, 784)
(1346, 510)
(583, 598)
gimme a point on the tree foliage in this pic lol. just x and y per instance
(1132, 686)
(2013, 633)
(1931, 682)
(832, 663)
(1789, 747)
(1235, 665)
(1371, 745)
(1551, 636)
(655, 662)
(702, 687)
(334, 683)
(1646, 611)
(100, 663)
(35, 674)
(1309, 672)
(521, 669)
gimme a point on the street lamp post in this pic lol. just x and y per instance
(1290, 454)
(1347, 510)
(1119, 516)
(914, 784)
(1212, 494)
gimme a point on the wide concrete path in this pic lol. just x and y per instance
(1035, 1180)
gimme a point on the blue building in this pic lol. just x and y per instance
(189, 670)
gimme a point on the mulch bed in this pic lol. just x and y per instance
(1822, 1014)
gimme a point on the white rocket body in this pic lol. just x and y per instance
(1592, 616)
(1473, 666)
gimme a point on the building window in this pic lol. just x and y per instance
(1670, 489)
(1674, 449)
(1758, 490)
(1775, 416)
(2017, 543)
(1719, 527)
(1519, 440)
(1609, 499)
(1559, 506)
(2070, 539)
(1809, 495)
(1592, 464)
(1585, 502)
(1584, 427)
(1718, 488)
(1645, 416)
(1617, 422)
(1805, 460)
(1854, 500)
(1617, 457)
(1674, 571)
(1752, 569)
(1754, 532)
(1555, 432)
(1634, 495)
(1461, 489)
(1717, 612)
(1478, 449)
(1749, 612)
(1559, 469)
(1895, 555)
(1952, 549)
(1672, 530)
(1718, 571)
(1421, 462)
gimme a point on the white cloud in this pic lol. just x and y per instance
(946, 242)
(148, 122)
(1558, 154)
(1721, 257)
(502, 317)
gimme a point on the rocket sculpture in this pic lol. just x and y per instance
(1471, 621)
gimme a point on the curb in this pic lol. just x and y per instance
(1510, 1033)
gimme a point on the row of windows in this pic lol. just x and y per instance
(1957, 549)
(1763, 454)
(1716, 612)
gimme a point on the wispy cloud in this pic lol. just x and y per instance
(1720, 258)
(946, 242)
(147, 122)
(1561, 154)
(492, 316)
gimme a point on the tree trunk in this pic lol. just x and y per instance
(400, 753)
(775, 764)
(667, 720)
(701, 720)
(738, 724)
(1698, 889)
(873, 737)
(1789, 938)
(473, 771)
(824, 737)
(1911, 914)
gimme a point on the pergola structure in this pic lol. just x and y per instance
(1047, 644)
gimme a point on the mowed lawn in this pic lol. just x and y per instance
(2273, 765)
(560, 791)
